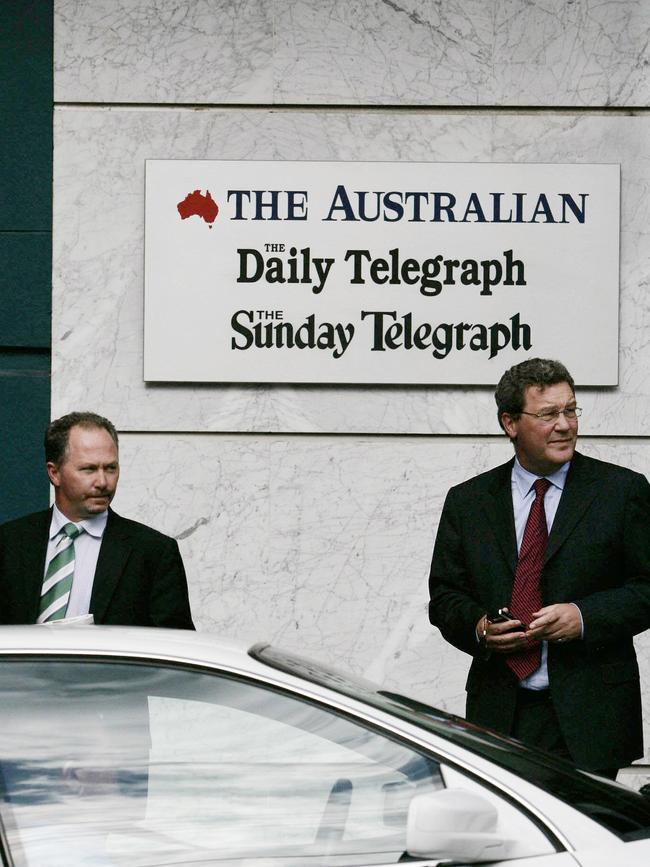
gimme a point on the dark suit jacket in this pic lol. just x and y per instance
(139, 580)
(598, 556)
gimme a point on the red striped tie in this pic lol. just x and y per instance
(526, 593)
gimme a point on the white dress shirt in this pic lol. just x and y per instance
(86, 553)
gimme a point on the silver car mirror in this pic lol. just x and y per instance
(454, 824)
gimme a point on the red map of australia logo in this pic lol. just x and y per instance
(196, 204)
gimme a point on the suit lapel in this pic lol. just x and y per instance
(113, 555)
(579, 491)
(32, 560)
(497, 505)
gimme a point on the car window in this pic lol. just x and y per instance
(618, 809)
(126, 764)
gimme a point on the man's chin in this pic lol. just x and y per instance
(565, 449)
(560, 453)
(97, 507)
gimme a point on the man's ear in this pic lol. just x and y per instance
(53, 473)
(509, 425)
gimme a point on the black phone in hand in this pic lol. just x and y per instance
(502, 616)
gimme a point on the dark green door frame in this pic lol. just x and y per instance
(26, 104)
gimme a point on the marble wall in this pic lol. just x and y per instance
(396, 53)
(306, 515)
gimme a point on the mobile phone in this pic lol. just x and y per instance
(502, 616)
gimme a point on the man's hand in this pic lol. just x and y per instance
(559, 622)
(505, 637)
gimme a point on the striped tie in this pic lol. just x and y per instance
(526, 591)
(58, 577)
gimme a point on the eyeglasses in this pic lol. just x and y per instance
(549, 415)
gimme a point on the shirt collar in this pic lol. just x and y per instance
(524, 480)
(94, 526)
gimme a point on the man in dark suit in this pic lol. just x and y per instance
(559, 671)
(80, 557)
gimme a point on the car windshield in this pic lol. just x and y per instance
(622, 811)
(107, 763)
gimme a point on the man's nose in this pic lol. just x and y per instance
(562, 422)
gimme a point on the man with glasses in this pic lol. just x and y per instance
(541, 572)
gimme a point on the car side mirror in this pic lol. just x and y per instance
(454, 824)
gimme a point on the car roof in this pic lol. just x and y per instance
(182, 645)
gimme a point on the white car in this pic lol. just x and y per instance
(152, 747)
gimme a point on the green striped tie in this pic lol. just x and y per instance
(58, 577)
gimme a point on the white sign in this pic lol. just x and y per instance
(411, 273)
